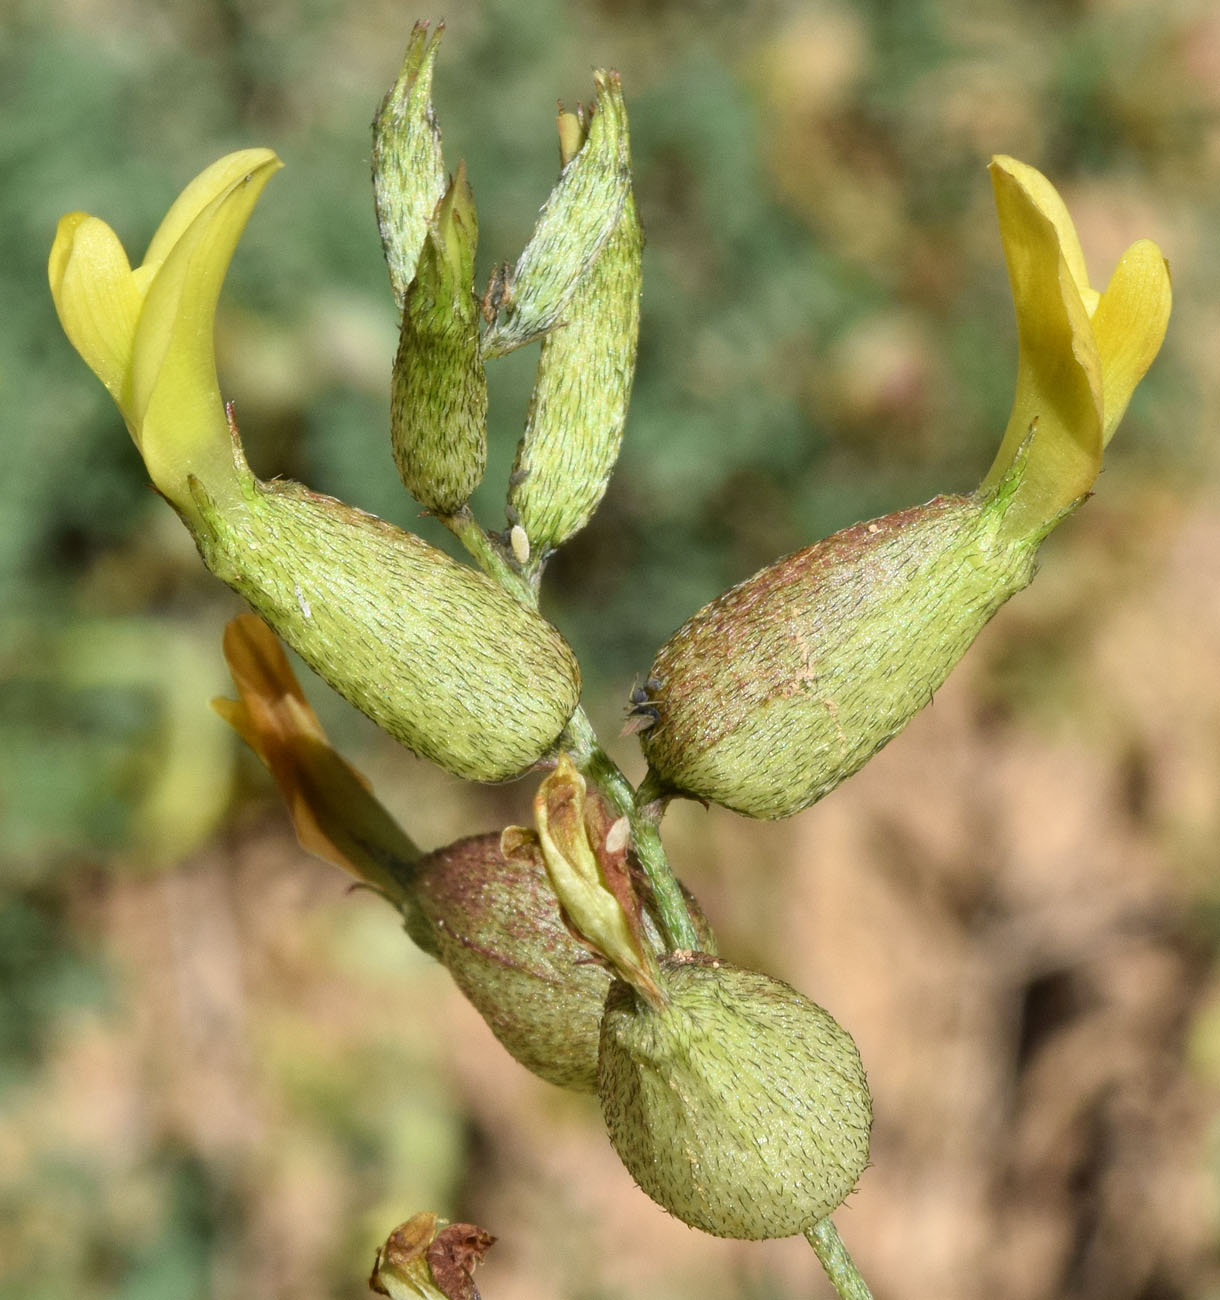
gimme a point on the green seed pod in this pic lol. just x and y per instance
(494, 922)
(784, 686)
(579, 405)
(408, 170)
(739, 1106)
(438, 411)
(433, 651)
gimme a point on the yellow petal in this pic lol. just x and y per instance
(334, 813)
(212, 182)
(175, 395)
(1129, 325)
(1045, 197)
(1059, 371)
(97, 298)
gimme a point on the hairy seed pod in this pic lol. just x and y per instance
(785, 685)
(494, 922)
(739, 1106)
(433, 651)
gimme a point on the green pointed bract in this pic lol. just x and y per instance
(575, 425)
(575, 223)
(408, 171)
(738, 1105)
(494, 921)
(781, 688)
(433, 651)
(438, 414)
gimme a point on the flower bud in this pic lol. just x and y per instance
(586, 859)
(573, 226)
(737, 1104)
(575, 424)
(433, 651)
(408, 170)
(438, 413)
(784, 686)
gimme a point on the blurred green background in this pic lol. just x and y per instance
(223, 1076)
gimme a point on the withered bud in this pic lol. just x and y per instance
(427, 1258)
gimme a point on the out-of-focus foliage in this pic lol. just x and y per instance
(220, 1077)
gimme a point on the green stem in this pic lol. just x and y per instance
(491, 558)
(643, 810)
(581, 742)
(832, 1254)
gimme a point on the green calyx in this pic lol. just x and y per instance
(438, 412)
(783, 687)
(738, 1105)
(433, 651)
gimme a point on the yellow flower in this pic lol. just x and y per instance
(1081, 352)
(147, 333)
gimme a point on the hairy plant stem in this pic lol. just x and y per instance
(490, 555)
(832, 1254)
(642, 810)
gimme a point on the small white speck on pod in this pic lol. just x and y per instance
(618, 835)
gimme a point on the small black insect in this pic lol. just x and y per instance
(644, 711)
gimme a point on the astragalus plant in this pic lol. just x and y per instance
(735, 1101)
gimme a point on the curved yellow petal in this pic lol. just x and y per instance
(97, 299)
(1059, 371)
(1046, 198)
(1129, 325)
(175, 395)
(213, 181)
